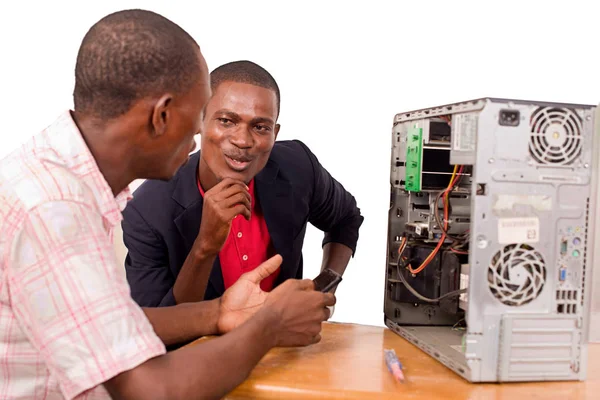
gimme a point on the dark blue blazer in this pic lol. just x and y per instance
(162, 221)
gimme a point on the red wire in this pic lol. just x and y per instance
(459, 251)
(443, 237)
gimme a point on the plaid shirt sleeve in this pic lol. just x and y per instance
(71, 300)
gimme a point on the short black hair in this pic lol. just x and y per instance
(129, 55)
(245, 71)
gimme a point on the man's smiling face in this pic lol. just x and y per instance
(239, 132)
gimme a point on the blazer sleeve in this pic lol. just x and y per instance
(146, 263)
(332, 208)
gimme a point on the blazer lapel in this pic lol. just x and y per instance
(276, 199)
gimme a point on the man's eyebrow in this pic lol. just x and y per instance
(263, 119)
(228, 113)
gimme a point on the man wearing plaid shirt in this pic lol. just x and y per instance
(68, 326)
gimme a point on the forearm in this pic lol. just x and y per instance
(191, 282)
(206, 370)
(336, 256)
(218, 366)
(184, 322)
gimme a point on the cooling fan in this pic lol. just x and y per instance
(516, 274)
(556, 136)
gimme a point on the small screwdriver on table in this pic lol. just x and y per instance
(394, 365)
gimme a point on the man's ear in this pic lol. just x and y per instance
(277, 126)
(161, 114)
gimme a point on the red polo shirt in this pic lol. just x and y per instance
(247, 246)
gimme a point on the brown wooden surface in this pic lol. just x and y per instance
(348, 364)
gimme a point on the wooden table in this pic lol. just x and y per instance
(348, 364)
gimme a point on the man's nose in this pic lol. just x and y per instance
(242, 137)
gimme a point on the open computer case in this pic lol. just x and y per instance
(489, 248)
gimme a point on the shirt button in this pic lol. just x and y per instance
(245, 258)
(239, 234)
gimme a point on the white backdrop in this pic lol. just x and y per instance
(344, 69)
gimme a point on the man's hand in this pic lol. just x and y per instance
(298, 312)
(222, 204)
(245, 297)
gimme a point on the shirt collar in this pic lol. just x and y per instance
(66, 139)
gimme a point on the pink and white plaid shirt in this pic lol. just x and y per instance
(67, 320)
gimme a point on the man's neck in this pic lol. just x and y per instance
(109, 150)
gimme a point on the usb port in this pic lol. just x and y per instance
(563, 247)
(562, 274)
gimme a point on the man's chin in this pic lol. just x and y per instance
(240, 176)
(167, 176)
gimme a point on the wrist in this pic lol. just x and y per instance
(269, 319)
(207, 317)
(203, 251)
(218, 323)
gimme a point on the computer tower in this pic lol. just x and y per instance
(489, 237)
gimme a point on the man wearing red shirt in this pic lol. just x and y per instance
(241, 199)
(248, 243)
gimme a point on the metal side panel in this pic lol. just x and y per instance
(593, 275)
(539, 347)
(440, 342)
